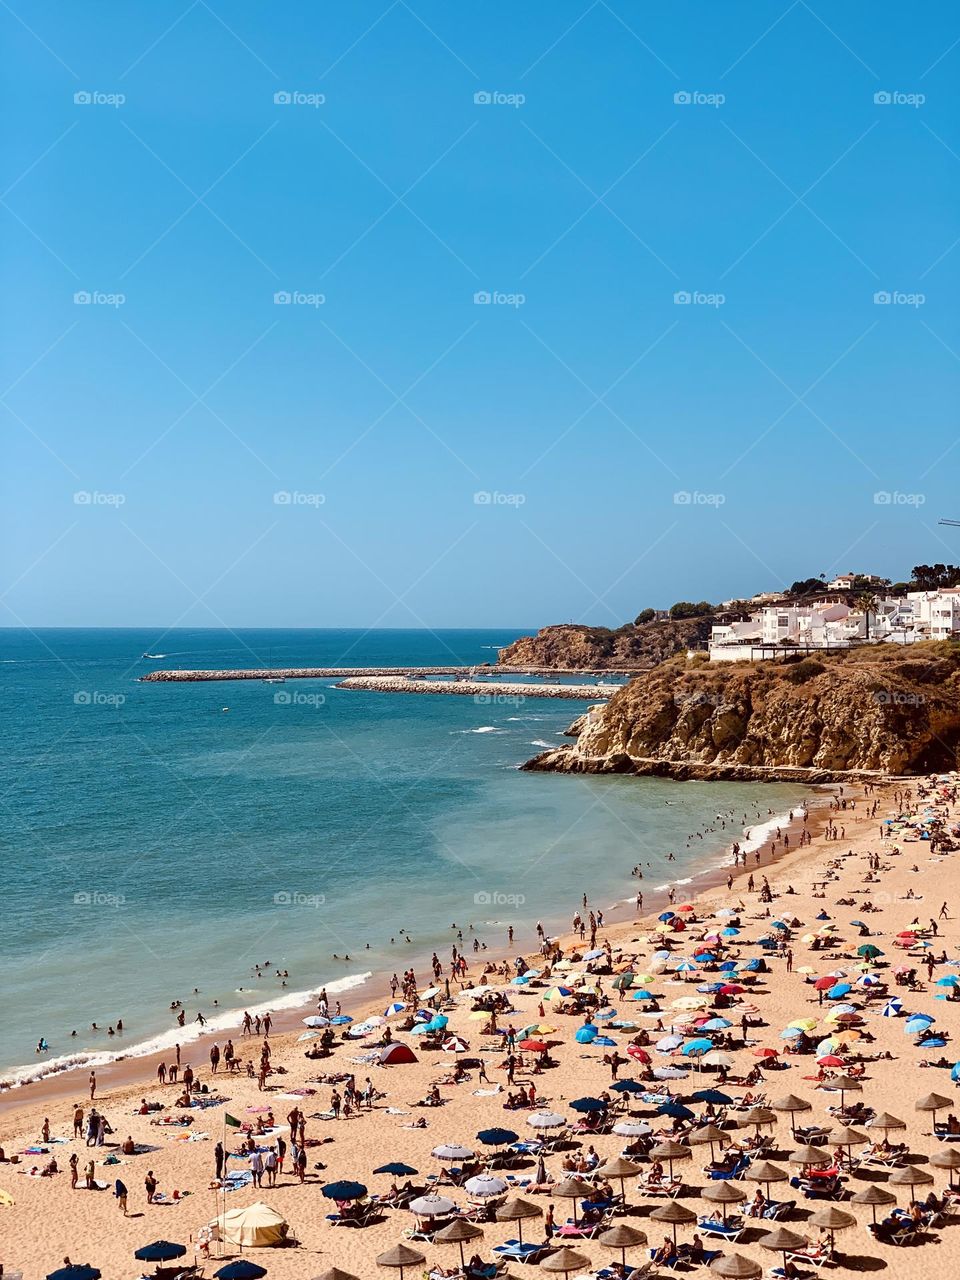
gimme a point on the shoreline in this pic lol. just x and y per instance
(130, 1069)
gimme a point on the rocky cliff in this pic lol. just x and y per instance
(599, 648)
(871, 709)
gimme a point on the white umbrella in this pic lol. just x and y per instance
(451, 1151)
(315, 1020)
(484, 1185)
(546, 1120)
(431, 1206)
(632, 1129)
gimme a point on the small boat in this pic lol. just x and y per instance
(275, 680)
(153, 656)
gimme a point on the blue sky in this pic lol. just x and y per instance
(620, 154)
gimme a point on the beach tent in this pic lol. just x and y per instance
(392, 1055)
(257, 1226)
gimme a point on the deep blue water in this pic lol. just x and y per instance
(158, 838)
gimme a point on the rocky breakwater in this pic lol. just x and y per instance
(873, 710)
(482, 690)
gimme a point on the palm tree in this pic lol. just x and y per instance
(866, 601)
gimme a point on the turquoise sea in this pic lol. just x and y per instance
(161, 837)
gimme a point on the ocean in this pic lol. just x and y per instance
(159, 838)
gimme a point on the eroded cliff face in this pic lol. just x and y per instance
(597, 648)
(872, 709)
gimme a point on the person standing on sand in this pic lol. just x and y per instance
(214, 1058)
(74, 1166)
(218, 1158)
(78, 1121)
(162, 1073)
(943, 912)
(120, 1191)
(150, 1185)
(93, 1085)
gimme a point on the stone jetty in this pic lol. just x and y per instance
(339, 673)
(482, 690)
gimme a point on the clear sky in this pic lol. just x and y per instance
(382, 164)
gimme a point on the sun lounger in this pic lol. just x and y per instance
(517, 1252)
(732, 1229)
(816, 1256)
(776, 1209)
(667, 1189)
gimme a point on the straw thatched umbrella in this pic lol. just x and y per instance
(618, 1167)
(400, 1256)
(670, 1151)
(723, 1194)
(565, 1260)
(808, 1155)
(674, 1214)
(886, 1122)
(736, 1267)
(832, 1219)
(760, 1116)
(845, 1084)
(709, 1133)
(933, 1102)
(515, 1210)
(456, 1233)
(573, 1189)
(333, 1274)
(782, 1241)
(910, 1176)
(848, 1138)
(793, 1106)
(948, 1158)
(764, 1171)
(623, 1238)
(875, 1197)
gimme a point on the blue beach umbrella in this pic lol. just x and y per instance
(627, 1086)
(241, 1269)
(839, 990)
(914, 1026)
(393, 1009)
(587, 1105)
(951, 980)
(397, 1168)
(686, 967)
(344, 1190)
(892, 1009)
(790, 1033)
(715, 1096)
(709, 988)
(160, 1251)
(778, 924)
(729, 965)
(954, 1076)
(935, 1042)
(675, 1110)
(340, 1020)
(586, 1035)
(605, 1015)
(701, 1045)
(641, 995)
(716, 1024)
(75, 1272)
(605, 1042)
(666, 915)
(730, 932)
(497, 1137)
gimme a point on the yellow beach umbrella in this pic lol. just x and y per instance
(804, 1024)
(689, 1002)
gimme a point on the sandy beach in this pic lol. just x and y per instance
(48, 1220)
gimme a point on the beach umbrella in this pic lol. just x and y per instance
(546, 1120)
(618, 1167)
(717, 1058)
(670, 1151)
(869, 951)
(951, 980)
(843, 1084)
(723, 1194)
(892, 1009)
(832, 1219)
(456, 1233)
(915, 1025)
(642, 994)
(400, 1256)
(622, 1237)
(782, 1241)
(933, 1102)
(632, 1128)
(875, 1196)
(344, 1190)
(674, 1214)
(627, 1086)
(452, 1152)
(807, 1155)
(534, 1046)
(241, 1269)
(588, 1105)
(431, 1206)
(572, 1189)
(698, 1046)
(455, 1044)
(565, 1260)
(947, 1158)
(497, 1137)
(716, 1024)
(76, 1271)
(315, 1020)
(585, 1034)
(715, 1096)
(736, 1267)
(910, 1176)
(760, 1116)
(849, 1138)
(392, 1010)
(623, 981)
(708, 1133)
(160, 1251)
(334, 1273)
(765, 1172)
(637, 1053)
(676, 1110)
(824, 984)
(397, 1168)
(516, 1210)
(793, 1106)
(886, 1122)
(485, 1185)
